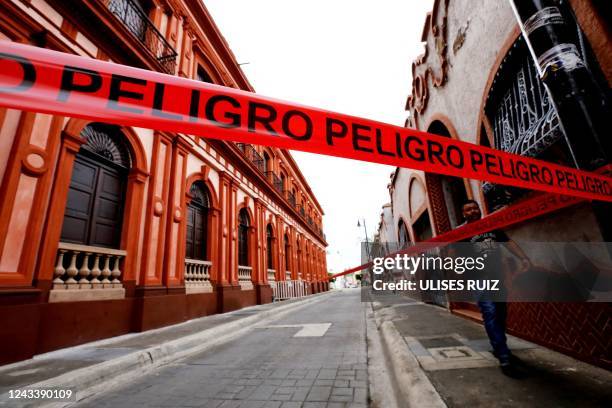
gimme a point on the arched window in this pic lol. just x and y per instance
(202, 75)
(267, 162)
(283, 181)
(270, 246)
(403, 238)
(291, 197)
(422, 227)
(197, 222)
(94, 208)
(300, 258)
(307, 261)
(243, 238)
(287, 253)
(417, 196)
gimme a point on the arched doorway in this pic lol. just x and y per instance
(447, 194)
(403, 237)
(198, 260)
(300, 260)
(270, 246)
(246, 237)
(287, 257)
(419, 211)
(96, 195)
(197, 222)
(243, 238)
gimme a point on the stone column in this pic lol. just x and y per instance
(151, 266)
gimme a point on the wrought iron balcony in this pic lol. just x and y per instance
(523, 119)
(275, 180)
(291, 199)
(251, 154)
(137, 22)
(255, 158)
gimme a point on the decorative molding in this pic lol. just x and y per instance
(35, 161)
(205, 172)
(427, 70)
(158, 207)
(178, 214)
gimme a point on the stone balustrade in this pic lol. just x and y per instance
(244, 277)
(287, 275)
(197, 276)
(271, 275)
(85, 272)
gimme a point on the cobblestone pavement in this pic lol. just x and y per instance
(268, 367)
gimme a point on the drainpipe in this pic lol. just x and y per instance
(582, 105)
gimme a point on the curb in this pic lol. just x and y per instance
(383, 392)
(412, 386)
(88, 381)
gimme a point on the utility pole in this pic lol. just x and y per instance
(367, 243)
(366, 237)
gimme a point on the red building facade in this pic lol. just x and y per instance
(107, 229)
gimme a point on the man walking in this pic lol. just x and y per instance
(494, 313)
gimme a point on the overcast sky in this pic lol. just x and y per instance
(348, 56)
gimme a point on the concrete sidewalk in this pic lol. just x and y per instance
(89, 367)
(452, 356)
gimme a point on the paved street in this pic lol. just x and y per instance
(314, 353)
(322, 365)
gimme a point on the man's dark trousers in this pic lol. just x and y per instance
(494, 318)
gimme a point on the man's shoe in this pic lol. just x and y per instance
(511, 358)
(516, 361)
(510, 370)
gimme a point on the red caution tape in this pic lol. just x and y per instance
(512, 215)
(47, 81)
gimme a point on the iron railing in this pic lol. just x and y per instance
(275, 180)
(251, 154)
(523, 119)
(291, 199)
(255, 158)
(138, 23)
